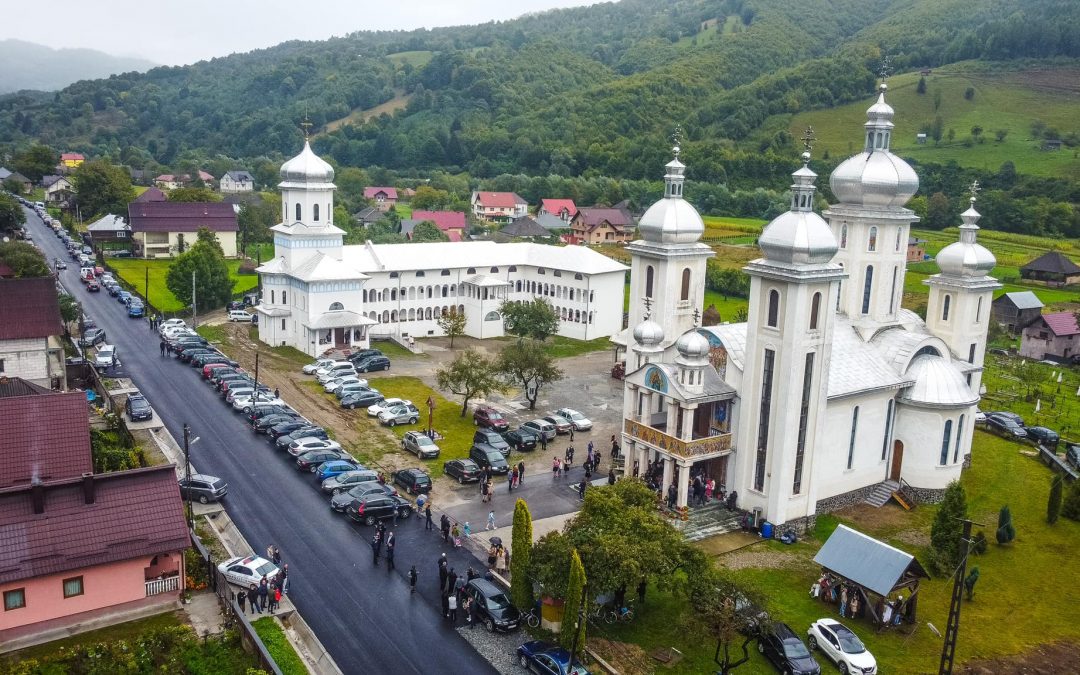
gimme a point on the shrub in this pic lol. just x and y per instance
(1053, 506)
(978, 544)
(1070, 508)
(1005, 532)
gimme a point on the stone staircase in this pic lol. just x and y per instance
(708, 521)
(882, 493)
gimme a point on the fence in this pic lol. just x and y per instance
(159, 586)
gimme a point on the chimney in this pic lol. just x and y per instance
(37, 495)
(88, 487)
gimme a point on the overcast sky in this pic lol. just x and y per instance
(191, 30)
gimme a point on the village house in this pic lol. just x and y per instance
(450, 223)
(916, 249)
(237, 181)
(1053, 336)
(166, 229)
(57, 188)
(168, 181)
(525, 227)
(152, 194)
(30, 330)
(110, 232)
(563, 209)
(1051, 268)
(71, 160)
(369, 215)
(602, 225)
(383, 197)
(25, 184)
(498, 207)
(1016, 311)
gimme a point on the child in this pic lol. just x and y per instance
(466, 530)
(490, 521)
(456, 534)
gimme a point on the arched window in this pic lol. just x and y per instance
(420, 274)
(298, 213)
(492, 316)
(517, 286)
(959, 434)
(471, 270)
(945, 308)
(843, 236)
(412, 315)
(871, 244)
(815, 309)
(513, 268)
(684, 294)
(394, 275)
(315, 212)
(494, 270)
(578, 276)
(648, 280)
(393, 294)
(774, 308)
(868, 285)
(892, 292)
(336, 307)
(945, 436)
(445, 273)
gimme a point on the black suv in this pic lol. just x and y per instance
(363, 354)
(493, 606)
(785, 650)
(138, 408)
(203, 488)
(492, 438)
(372, 363)
(486, 456)
(521, 439)
(414, 481)
(373, 507)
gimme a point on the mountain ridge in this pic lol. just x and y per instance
(32, 66)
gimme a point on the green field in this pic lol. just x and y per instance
(416, 59)
(133, 272)
(1004, 99)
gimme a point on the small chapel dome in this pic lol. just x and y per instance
(693, 346)
(937, 383)
(799, 235)
(307, 167)
(648, 333)
(672, 219)
(966, 258)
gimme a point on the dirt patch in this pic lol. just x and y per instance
(1043, 660)
(888, 519)
(762, 559)
(626, 658)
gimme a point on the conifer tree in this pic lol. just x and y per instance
(948, 528)
(1005, 532)
(521, 590)
(572, 634)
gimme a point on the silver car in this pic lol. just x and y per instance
(419, 444)
(348, 480)
(542, 428)
(400, 414)
(579, 421)
(300, 446)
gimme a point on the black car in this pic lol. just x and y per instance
(286, 427)
(340, 501)
(361, 399)
(363, 355)
(92, 336)
(138, 408)
(492, 438)
(203, 488)
(263, 411)
(191, 353)
(487, 457)
(1072, 455)
(310, 461)
(464, 470)
(786, 651)
(372, 363)
(267, 423)
(1047, 437)
(374, 507)
(521, 439)
(414, 481)
(188, 343)
(1004, 425)
(310, 431)
(493, 606)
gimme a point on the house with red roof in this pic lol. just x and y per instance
(75, 545)
(1054, 336)
(71, 160)
(30, 330)
(383, 197)
(602, 225)
(165, 229)
(498, 207)
(563, 209)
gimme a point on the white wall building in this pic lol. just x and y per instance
(830, 388)
(319, 294)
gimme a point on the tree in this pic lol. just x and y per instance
(950, 135)
(521, 590)
(572, 633)
(23, 259)
(1070, 508)
(254, 221)
(969, 583)
(193, 194)
(204, 259)
(536, 319)
(428, 198)
(12, 216)
(427, 230)
(35, 162)
(938, 211)
(969, 93)
(13, 185)
(935, 129)
(469, 375)
(976, 132)
(711, 316)
(69, 309)
(741, 315)
(102, 188)
(452, 323)
(1005, 531)
(1053, 506)
(1000, 134)
(921, 87)
(527, 364)
(717, 609)
(947, 530)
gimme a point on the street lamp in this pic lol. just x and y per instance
(188, 442)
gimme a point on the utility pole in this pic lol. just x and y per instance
(952, 628)
(255, 394)
(194, 310)
(187, 476)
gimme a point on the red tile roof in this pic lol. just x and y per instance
(46, 435)
(453, 235)
(1062, 323)
(595, 215)
(135, 513)
(444, 220)
(555, 206)
(181, 216)
(499, 200)
(373, 192)
(71, 156)
(29, 308)
(152, 195)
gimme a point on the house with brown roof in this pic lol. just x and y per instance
(1051, 268)
(916, 249)
(563, 209)
(602, 225)
(30, 329)
(166, 229)
(152, 194)
(1054, 336)
(75, 545)
(450, 223)
(57, 188)
(383, 197)
(498, 207)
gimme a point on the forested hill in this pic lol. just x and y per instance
(592, 90)
(25, 65)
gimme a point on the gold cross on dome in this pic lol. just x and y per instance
(306, 125)
(974, 190)
(886, 67)
(808, 139)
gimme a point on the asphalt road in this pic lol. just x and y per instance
(364, 616)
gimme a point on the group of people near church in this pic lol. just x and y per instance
(702, 488)
(852, 601)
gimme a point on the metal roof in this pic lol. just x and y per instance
(1053, 262)
(868, 562)
(1024, 300)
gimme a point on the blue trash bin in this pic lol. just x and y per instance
(766, 530)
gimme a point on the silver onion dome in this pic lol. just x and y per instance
(936, 382)
(966, 258)
(648, 333)
(799, 235)
(693, 346)
(672, 220)
(307, 167)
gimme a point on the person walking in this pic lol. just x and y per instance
(451, 582)
(427, 517)
(490, 520)
(466, 530)
(571, 433)
(466, 611)
(442, 570)
(163, 347)
(474, 614)
(274, 596)
(241, 600)
(451, 605)
(521, 472)
(391, 542)
(444, 525)
(581, 488)
(614, 448)
(412, 580)
(500, 561)
(253, 597)
(511, 479)
(484, 491)
(264, 593)
(543, 442)
(376, 547)
(285, 579)
(671, 496)
(611, 476)
(493, 551)
(555, 468)
(455, 535)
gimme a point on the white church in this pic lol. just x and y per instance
(830, 388)
(319, 294)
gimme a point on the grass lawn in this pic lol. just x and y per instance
(262, 251)
(291, 353)
(120, 631)
(215, 334)
(415, 58)
(133, 273)
(272, 635)
(392, 349)
(562, 347)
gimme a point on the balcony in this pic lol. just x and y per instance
(708, 446)
(163, 585)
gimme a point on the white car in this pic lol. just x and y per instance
(171, 324)
(105, 357)
(980, 416)
(333, 385)
(335, 371)
(241, 402)
(374, 410)
(841, 646)
(309, 443)
(580, 422)
(311, 368)
(247, 571)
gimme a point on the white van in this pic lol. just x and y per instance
(105, 357)
(239, 315)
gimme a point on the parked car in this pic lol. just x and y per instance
(346, 389)
(361, 399)
(486, 457)
(245, 571)
(138, 408)
(333, 385)
(783, 648)
(239, 315)
(310, 461)
(171, 323)
(494, 608)
(841, 646)
(373, 363)
(335, 370)
(1010, 415)
(980, 416)
(334, 467)
(363, 354)
(1006, 426)
(93, 287)
(123, 297)
(1072, 455)
(285, 428)
(311, 368)
(521, 439)
(375, 507)
(203, 488)
(492, 438)
(249, 403)
(413, 481)
(60, 264)
(341, 500)
(488, 417)
(92, 337)
(302, 445)
(1047, 437)
(546, 658)
(579, 421)
(399, 414)
(349, 479)
(560, 424)
(282, 442)
(267, 423)
(373, 411)
(419, 444)
(542, 428)
(105, 357)
(263, 409)
(464, 470)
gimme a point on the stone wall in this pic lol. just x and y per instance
(924, 495)
(839, 501)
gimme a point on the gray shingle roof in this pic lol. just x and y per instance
(1053, 262)
(866, 561)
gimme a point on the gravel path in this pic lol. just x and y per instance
(497, 648)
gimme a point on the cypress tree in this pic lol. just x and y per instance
(948, 527)
(1005, 532)
(521, 591)
(573, 606)
(1053, 507)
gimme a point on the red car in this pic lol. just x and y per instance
(93, 286)
(490, 418)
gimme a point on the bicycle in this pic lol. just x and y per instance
(531, 618)
(625, 614)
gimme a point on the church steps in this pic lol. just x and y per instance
(882, 493)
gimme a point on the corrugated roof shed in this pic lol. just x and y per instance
(866, 561)
(1024, 300)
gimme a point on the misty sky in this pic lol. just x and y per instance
(191, 30)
